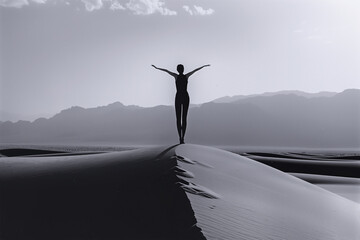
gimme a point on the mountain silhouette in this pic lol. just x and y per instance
(282, 119)
(228, 99)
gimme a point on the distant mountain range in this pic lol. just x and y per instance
(289, 118)
(229, 99)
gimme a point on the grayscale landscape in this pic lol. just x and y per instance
(174, 120)
(265, 181)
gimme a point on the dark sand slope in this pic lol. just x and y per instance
(13, 152)
(126, 195)
(249, 200)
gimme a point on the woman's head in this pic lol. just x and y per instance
(180, 68)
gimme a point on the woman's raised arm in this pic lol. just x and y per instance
(194, 71)
(165, 70)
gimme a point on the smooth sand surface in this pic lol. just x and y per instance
(338, 172)
(175, 192)
(259, 202)
(327, 166)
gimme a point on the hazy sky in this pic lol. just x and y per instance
(55, 54)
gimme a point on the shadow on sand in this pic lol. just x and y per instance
(116, 196)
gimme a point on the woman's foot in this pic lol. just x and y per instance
(182, 141)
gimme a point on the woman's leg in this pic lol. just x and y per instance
(185, 106)
(178, 116)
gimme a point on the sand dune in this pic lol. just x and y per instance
(335, 166)
(336, 171)
(176, 192)
(119, 195)
(259, 202)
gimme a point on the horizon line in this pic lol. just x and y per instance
(191, 104)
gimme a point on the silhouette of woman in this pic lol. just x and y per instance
(182, 97)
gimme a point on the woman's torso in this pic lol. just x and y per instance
(181, 83)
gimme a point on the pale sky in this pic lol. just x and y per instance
(55, 54)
